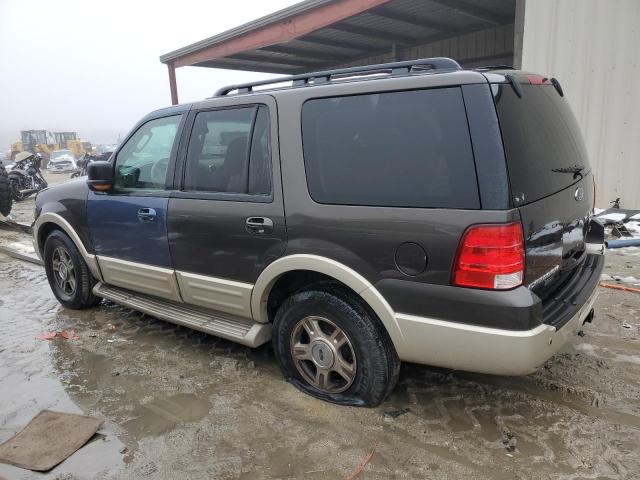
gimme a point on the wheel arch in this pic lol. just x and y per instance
(48, 222)
(304, 263)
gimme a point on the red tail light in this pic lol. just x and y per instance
(490, 256)
(538, 80)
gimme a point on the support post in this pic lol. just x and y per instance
(518, 33)
(172, 83)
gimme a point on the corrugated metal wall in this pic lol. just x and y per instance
(593, 48)
(485, 47)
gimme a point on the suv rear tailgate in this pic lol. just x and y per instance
(552, 187)
(555, 228)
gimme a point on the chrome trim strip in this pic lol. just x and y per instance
(216, 293)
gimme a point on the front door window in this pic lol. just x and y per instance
(143, 161)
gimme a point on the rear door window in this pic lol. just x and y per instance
(542, 141)
(229, 152)
(398, 149)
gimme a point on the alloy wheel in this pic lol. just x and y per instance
(64, 273)
(323, 354)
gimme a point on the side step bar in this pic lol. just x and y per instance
(240, 330)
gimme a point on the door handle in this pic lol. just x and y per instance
(147, 214)
(259, 225)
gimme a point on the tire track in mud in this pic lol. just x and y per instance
(550, 435)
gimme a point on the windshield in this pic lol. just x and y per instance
(542, 140)
(60, 153)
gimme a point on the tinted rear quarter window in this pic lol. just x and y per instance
(399, 149)
(541, 136)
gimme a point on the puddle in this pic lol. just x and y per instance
(30, 386)
(163, 414)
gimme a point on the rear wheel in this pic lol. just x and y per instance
(330, 346)
(69, 276)
(5, 193)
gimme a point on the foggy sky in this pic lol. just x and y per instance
(93, 67)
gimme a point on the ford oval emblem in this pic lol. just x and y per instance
(579, 194)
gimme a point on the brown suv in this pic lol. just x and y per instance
(409, 211)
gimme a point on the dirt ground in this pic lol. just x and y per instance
(182, 404)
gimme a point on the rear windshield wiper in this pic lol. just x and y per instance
(576, 170)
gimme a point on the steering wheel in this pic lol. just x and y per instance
(159, 171)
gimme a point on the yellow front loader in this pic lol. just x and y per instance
(78, 147)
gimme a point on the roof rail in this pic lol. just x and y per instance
(395, 68)
(495, 67)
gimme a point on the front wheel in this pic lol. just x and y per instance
(331, 347)
(69, 276)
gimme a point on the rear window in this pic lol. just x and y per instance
(542, 141)
(399, 149)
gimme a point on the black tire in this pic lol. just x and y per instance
(14, 188)
(375, 360)
(81, 296)
(6, 201)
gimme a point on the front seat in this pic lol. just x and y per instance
(232, 175)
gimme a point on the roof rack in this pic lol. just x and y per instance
(315, 78)
(495, 67)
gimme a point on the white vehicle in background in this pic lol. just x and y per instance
(62, 161)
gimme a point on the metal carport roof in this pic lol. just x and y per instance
(321, 34)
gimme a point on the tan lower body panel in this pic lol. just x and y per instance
(237, 329)
(156, 281)
(481, 349)
(216, 293)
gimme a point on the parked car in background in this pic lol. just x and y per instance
(62, 161)
(104, 148)
(426, 214)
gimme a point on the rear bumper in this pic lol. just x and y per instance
(482, 349)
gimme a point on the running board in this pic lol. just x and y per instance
(237, 329)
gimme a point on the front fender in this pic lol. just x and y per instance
(65, 207)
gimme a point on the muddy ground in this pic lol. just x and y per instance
(181, 404)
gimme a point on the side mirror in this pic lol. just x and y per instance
(100, 176)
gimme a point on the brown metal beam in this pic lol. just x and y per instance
(387, 12)
(173, 86)
(281, 32)
(373, 33)
(474, 11)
